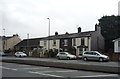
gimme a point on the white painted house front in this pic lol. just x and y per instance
(53, 44)
(117, 45)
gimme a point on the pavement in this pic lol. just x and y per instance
(109, 67)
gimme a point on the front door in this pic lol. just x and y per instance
(80, 51)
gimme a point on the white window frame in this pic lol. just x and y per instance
(45, 42)
(65, 42)
(74, 42)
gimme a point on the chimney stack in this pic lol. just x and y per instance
(96, 26)
(66, 33)
(79, 29)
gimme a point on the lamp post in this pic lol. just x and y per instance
(28, 43)
(3, 39)
(3, 31)
(48, 34)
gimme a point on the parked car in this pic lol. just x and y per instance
(20, 54)
(94, 55)
(2, 54)
(65, 55)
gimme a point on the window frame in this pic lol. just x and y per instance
(45, 42)
(74, 42)
(82, 41)
(65, 42)
(119, 43)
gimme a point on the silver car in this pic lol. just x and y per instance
(94, 55)
(65, 55)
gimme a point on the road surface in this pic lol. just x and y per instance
(21, 71)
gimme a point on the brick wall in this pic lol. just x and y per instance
(113, 56)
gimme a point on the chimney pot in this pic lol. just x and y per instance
(56, 33)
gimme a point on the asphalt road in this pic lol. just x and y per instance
(21, 71)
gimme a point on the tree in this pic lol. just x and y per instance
(110, 29)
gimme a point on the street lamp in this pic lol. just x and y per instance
(48, 26)
(3, 31)
(48, 34)
(28, 43)
(3, 40)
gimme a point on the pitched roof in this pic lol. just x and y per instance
(72, 35)
(6, 37)
(35, 41)
(30, 42)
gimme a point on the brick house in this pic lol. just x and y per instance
(75, 43)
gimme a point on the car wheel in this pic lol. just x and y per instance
(20, 56)
(68, 58)
(85, 59)
(100, 59)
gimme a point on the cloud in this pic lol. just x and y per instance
(30, 16)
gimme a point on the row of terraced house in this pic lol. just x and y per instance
(74, 43)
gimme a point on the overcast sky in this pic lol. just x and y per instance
(30, 16)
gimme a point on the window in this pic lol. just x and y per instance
(82, 41)
(54, 42)
(66, 50)
(45, 43)
(118, 43)
(65, 42)
(89, 53)
(74, 42)
(62, 53)
(94, 53)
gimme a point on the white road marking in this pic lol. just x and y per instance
(14, 69)
(29, 68)
(0, 66)
(68, 71)
(24, 65)
(5, 68)
(60, 71)
(98, 76)
(35, 68)
(44, 74)
(9, 68)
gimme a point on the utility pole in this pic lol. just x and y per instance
(48, 35)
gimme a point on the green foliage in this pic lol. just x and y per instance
(110, 29)
(46, 52)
